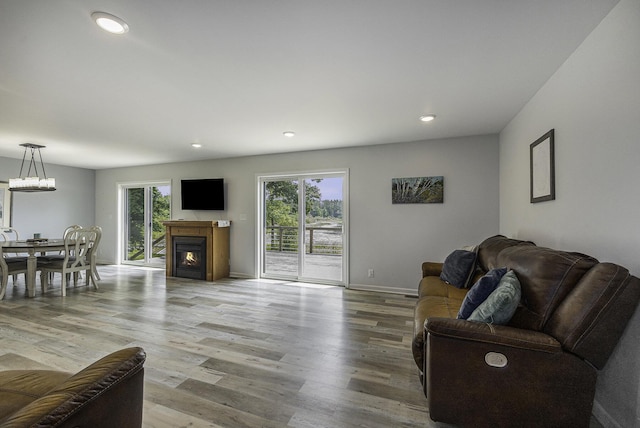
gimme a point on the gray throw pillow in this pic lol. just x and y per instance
(501, 304)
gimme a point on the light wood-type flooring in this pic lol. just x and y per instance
(230, 353)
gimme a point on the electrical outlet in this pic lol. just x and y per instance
(370, 273)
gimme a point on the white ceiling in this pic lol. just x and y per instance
(235, 74)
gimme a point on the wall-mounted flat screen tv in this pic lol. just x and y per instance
(203, 194)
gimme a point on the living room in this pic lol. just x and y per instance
(592, 103)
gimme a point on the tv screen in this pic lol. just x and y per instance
(203, 194)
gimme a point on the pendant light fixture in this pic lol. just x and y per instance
(28, 182)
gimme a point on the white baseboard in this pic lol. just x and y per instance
(604, 417)
(381, 289)
(241, 275)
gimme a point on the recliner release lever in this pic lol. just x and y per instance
(495, 359)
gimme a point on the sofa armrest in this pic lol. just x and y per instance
(431, 269)
(491, 334)
(108, 393)
(498, 371)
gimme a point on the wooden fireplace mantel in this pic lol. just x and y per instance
(217, 245)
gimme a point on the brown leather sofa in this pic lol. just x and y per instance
(108, 393)
(538, 370)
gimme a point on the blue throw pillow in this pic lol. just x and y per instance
(480, 291)
(458, 268)
(500, 306)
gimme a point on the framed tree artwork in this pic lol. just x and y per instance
(417, 190)
(542, 165)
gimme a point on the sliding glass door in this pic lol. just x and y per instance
(303, 227)
(280, 228)
(145, 207)
(323, 235)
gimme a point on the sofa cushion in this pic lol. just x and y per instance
(480, 291)
(501, 304)
(490, 248)
(434, 286)
(591, 319)
(547, 276)
(458, 268)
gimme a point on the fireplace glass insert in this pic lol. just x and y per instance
(190, 257)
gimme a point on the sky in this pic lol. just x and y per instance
(330, 188)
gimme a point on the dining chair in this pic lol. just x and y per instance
(59, 256)
(93, 252)
(92, 255)
(44, 258)
(10, 266)
(77, 257)
(11, 234)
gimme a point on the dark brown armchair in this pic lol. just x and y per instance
(108, 393)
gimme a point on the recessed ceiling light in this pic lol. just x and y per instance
(289, 134)
(196, 145)
(110, 23)
(428, 117)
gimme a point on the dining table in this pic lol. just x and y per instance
(32, 247)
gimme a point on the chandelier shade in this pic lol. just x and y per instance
(32, 182)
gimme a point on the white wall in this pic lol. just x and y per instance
(392, 239)
(593, 103)
(49, 213)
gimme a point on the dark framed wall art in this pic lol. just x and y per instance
(417, 190)
(543, 171)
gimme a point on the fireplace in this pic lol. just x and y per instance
(212, 240)
(190, 257)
